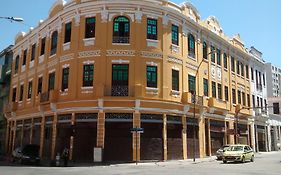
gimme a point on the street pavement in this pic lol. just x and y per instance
(265, 164)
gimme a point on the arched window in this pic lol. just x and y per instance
(191, 46)
(121, 30)
(205, 50)
(54, 43)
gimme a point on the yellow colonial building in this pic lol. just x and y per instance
(95, 69)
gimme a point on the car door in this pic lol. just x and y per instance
(250, 153)
(247, 152)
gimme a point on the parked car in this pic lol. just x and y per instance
(238, 153)
(29, 154)
(219, 152)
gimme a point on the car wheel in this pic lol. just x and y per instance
(243, 159)
(252, 159)
(224, 161)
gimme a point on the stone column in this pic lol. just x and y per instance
(54, 136)
(7, 137)
(21, 136)
(268, 138)
(101, 129)
(184, 140)
(42, 136)
(136, 137)
(14, 135)
(72, 137)
(275, 132)
(256, 138)
(209, 139)
(165, 149)
(231, 137)
(201, 136)
(252, 129)
(31, 131)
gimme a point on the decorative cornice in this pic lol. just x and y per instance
(87, 54)
(129, 53)
(66, 57)
(151, 55)
(175, 60)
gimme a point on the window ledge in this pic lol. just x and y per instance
(151, 91)
(175, 93)
(31, 64)
(66, 46)
(87, 87)
(152, 43)
(89, 41)
(225, 69)
(190, 57)
(121, 44)
(23, 68)
(175, 48)
(41, 59)
(52, 56)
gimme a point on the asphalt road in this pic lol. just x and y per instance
(265, 164)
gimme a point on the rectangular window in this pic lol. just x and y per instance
(51, 85)
(206, 89)
(14, 97)
(40, 85)
(265, 104)
(258, 101)
(219, 91)
(252, 74)
(213, 54)
(21, 92)
(254, 100)
(225, 61)
(90, 27)
(226, 93)
(276, 109)
(214, 94)
(263, 78)
(175, 35)
(232, 64)
(191, 83)
(218, 56)
(247, 71)
(88, 75)
(24, 57)
(175, 80)
(243, 98)
(43, 43)
(67, 32)
(238, 67)
(33, 52)
(239, 97)
(242, 69)
(152, 29)
(233, 96)
(65, 76)
(29, 93)
(151, 76)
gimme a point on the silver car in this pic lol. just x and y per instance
(219, 152)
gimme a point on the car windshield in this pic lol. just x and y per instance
(235, 148)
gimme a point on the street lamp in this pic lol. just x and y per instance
(194, 104)
(12, 19)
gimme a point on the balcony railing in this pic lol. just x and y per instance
(121, 39)
(119, 91)
(10, 107)
(49, 96)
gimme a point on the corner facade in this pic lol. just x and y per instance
(95, 69)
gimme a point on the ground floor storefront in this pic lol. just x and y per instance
(165, 136)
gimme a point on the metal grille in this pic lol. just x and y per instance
(119, 91)
(86, 116)
(119, 116)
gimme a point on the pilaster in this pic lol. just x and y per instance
(201, 136)
(165, 150)
(72, 137)
(136, 141)
(54, 136)
(42, 136)
(231, 137)
(184, 135)
(101, 129)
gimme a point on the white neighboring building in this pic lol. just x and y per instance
(275, 123)
(273, 80)
(259, 100)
